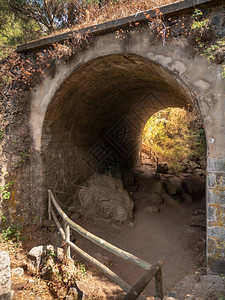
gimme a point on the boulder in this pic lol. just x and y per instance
(162, 168)
(157, 188)
(199, 172)
(187, 198)
(37, 254)
(5, 277)
(169, 187)
(220, 55)
(103, 196)
(18, 272)
(187, 186)
(169, 200)
(155, 199)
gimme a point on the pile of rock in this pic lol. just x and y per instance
(188, 166)
(171, 191)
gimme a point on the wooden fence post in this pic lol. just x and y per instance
(67, 239)
(49, 207)
(158, 285)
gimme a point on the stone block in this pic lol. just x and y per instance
(5, 277)
(215, 197)
(216, 165)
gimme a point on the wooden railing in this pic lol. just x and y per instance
(150, 152)
(132, 293)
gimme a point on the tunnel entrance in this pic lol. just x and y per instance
(95, 120)
(94, 125)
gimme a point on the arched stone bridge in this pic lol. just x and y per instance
(91, 112)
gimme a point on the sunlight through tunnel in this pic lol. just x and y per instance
(96, 119)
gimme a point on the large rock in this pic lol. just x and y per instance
(36, 255)
(155, 199)
(5, 277)
(157, 188)
(104, 197)
(170, 188)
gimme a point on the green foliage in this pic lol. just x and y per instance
(14, 29)
(6, 194)
(2, 134)
(174, 137)
(200, 29)
(10, 232)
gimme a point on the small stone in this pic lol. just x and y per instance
(220, 55)
(83, 287)
(69, 297)
(49, 225)
(31, 281)
(193, 165)
(155, 199)
(73, 292)
(102, 259)
(18, 272)
(152, 210)
(199, 172)
(34, 256)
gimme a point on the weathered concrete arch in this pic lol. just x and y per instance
(188, 76)
(105, 104)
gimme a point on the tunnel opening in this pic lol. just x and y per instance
(94, 125)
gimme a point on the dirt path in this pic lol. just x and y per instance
(168, 233)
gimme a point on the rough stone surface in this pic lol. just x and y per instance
(5, 277)
(102, 259)
(36, 255)
(157, 188)
(170, 188)
(104, 197)
(18, 272)
(155, 199)
(199, 288)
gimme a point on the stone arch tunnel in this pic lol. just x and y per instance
(89, 115)
(95, 120)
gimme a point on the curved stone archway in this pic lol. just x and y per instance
(96, 119)
(76, 112)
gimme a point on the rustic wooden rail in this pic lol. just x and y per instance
(137, 289)
(151, 153)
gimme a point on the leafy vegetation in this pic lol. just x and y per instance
(25, 20)
(201, 32)
(176, 137)
(5, 190)
(10, 232)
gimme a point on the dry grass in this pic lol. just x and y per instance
(93, 15)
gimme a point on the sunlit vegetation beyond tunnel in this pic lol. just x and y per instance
(177, 137)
